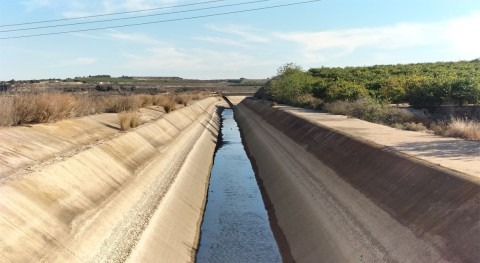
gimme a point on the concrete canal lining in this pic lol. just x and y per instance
(135, 197)
(235, 226)
(80, 191)
(338, 198)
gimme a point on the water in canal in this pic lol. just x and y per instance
(235, 227)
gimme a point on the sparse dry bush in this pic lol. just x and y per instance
(135, 121)
(124, 103)
(184, 99)
(6, 111)
(373, 111)
(124, 120)
(308, 101)
(169, 105)
(38, 108)
(410, 126)
(88, 105)
(438, 127)
(160, 100)
(128, 119)
(145, 100)
(458, 127)
(200, 95)
(19, 109)
(338, 107)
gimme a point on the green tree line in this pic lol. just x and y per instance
(422, 85)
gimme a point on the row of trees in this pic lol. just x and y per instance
(421, 85)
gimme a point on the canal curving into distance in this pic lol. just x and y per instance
(235, 226)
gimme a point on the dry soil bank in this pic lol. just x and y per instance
(339, 197)
(138, 196)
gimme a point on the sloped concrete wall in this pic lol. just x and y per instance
(139, 196)
(340, 199)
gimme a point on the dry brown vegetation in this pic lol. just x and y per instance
(129, 119)
(183, 99)
(20, 109)
(410, 126)
(403, 119)
(372, 111)
(169, 105)
(458, 127)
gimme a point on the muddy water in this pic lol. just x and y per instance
(235, 227)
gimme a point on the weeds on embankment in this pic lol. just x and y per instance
(128, 119)
(458, 127)
(402, 119)
(372, 111)
(20, 109)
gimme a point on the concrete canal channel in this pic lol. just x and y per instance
(235, 227)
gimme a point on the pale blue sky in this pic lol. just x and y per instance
(250, 45)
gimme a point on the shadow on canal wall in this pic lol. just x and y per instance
(338, 198)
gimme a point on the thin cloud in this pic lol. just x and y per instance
(460, 37)
(202, 62)
(389, 37)
(134, 37)
(222, 41)
(31, 5)
(78, 61)
(464, 34)
(243, 32)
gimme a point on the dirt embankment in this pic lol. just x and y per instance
(338, 198)
(136, 196)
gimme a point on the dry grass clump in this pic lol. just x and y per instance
(129, 119)
(117, 104)
(19, 109)
(184, 99)
(403, 119)
(145, 100)
(36, 108)
(169, 105)
(158, 100)
(166, 101)
(308, 101)
(410, 126)
(373, 111)
(6, 111)
(200, 95)
(338, 107)
(88, 105)
(458, 127)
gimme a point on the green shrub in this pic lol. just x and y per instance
(289, 85)
(465, 91)
(430, 95)
(392, 90)
(339, 90)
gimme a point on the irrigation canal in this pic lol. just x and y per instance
(235, 226)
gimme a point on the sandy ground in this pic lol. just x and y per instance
(88, 192)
